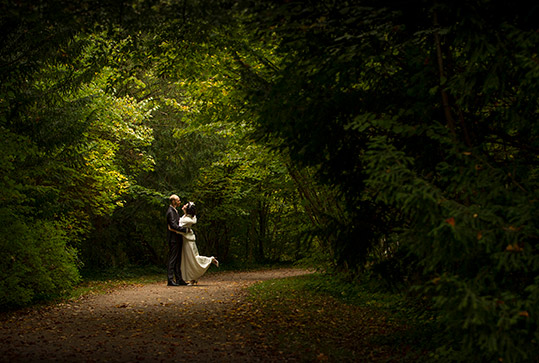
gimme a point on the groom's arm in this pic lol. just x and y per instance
(173, 223)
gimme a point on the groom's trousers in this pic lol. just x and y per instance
(174, 259)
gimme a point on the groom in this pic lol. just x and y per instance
(175, 242)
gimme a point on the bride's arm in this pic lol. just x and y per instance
(178, 232)
(187, 221)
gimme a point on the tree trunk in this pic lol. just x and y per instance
(445, 96)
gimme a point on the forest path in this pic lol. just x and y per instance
(146, 323)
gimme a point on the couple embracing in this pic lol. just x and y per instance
(184, 262)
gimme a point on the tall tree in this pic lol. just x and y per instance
(424, 115)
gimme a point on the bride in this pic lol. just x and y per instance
(192, 264)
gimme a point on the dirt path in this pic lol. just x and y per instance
(146, 323)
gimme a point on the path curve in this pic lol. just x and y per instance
(147, 323)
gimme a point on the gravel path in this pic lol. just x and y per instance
(146, 323)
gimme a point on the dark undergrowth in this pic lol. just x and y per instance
(334, 320)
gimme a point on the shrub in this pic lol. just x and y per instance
(35, 261)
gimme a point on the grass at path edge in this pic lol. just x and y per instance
(100, 281)
(333, 320)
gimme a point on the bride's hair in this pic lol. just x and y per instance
(191, 209)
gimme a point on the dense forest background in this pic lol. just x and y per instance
(383, 140)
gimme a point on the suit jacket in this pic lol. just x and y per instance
(173, 220)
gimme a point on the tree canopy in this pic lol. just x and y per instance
(396, 140)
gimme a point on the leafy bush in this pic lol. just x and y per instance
(474, 232)
(35, 261)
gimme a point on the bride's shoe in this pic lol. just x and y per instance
(215, 262)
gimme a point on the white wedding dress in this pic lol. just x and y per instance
(193, 265)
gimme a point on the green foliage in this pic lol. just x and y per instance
(479, 251)
(248, 210)
(249, 193)
(425, 117)
(69, 155)
(400, 140)
(36, 261)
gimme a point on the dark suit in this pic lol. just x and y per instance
(175, 242)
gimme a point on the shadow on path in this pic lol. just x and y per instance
(145, 323)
